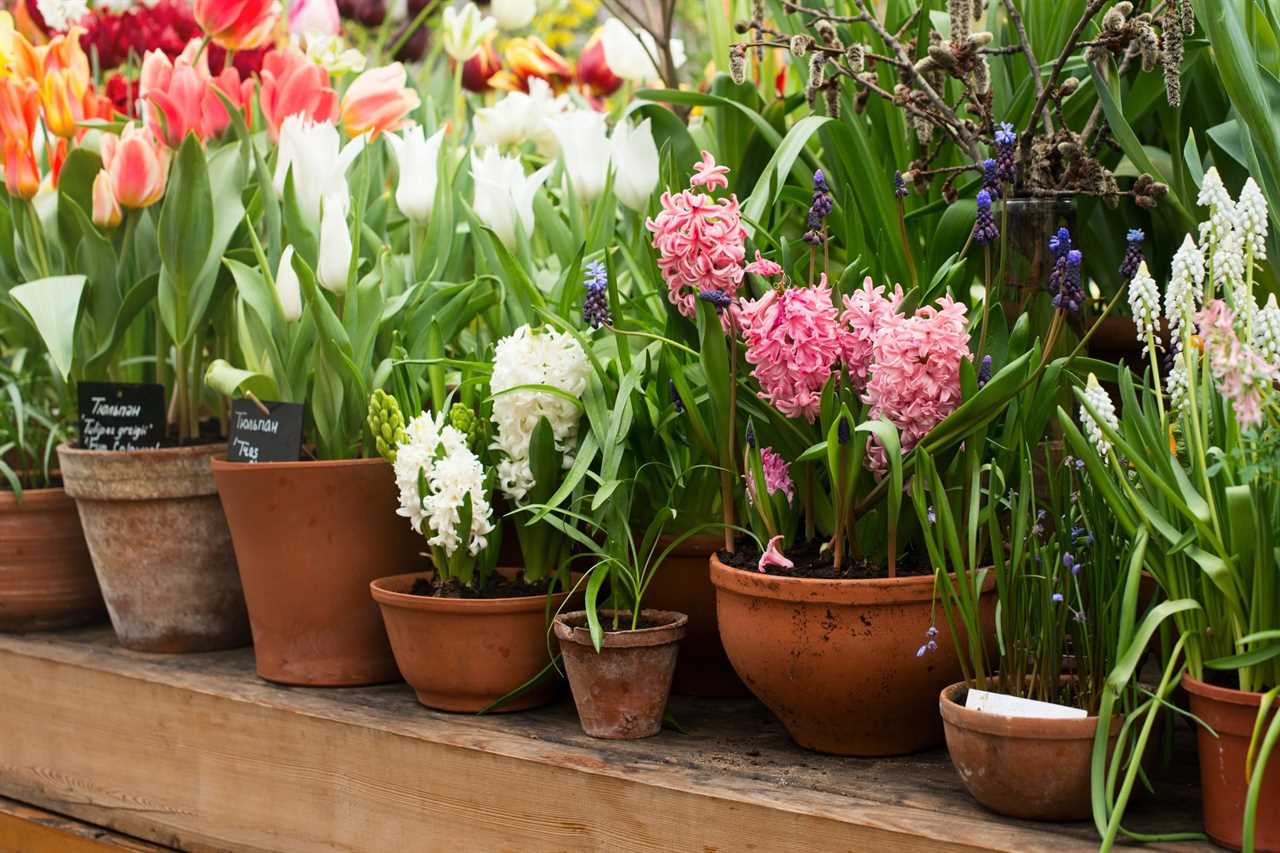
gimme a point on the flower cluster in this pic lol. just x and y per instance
(1005, 139)
(435, 454)
(1132, 253)
(1242, 376)
(534, 357)
(777, 475)
(1144, 302)
(595, 306)
(865, 311)
(794, 340)
(1100, 400)
(819, 209)
(165, 25)
(700, 240)
(985, 231)
(1064, 278)
(991, 177)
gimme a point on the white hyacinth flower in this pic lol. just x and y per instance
(1175, 384)
(1251, 220)
(1266, 332)
(1144, 301)
(1101, 403)
(535, 357)
(437, 454)
(1185, 293)
(1228, 260)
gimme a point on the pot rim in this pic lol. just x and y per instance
(34, 499)
(1003, 725)
(221, 463)
(1215, 693)
(857, 591)
(671, 631)
(210, 448)
(487, 606)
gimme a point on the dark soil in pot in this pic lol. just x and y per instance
(621, 691)
(813, 562)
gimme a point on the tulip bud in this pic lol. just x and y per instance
(335, 246)
(415, 46)
(288, 288)
(513, 14)
(417, 157)
(635, 164)
(106, 210)
(314, 17)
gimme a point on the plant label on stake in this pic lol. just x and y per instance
(1016, 706)
(121, 416)
(264, 432)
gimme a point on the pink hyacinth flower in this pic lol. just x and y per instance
(865, 311)
(777, 475)
(707, 173)
(773, 556)
(764, 267)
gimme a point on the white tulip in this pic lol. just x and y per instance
(287, 287)
(635, 164)
(335, 246)
(319, 162)
(418, 158)
(631, 55)
(504, 193)
(584, 149)
(513, 14)
(464, 32)
(519, 117)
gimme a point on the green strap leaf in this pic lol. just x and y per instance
(53, 304)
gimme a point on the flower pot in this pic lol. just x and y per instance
(835, 660)
(464, 654)
(309, 538)
(683, 584)
(46, 576)
(1232, 713)
(160, 546)
(1024, 767)
(622, 690)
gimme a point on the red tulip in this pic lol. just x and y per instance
(238, 24)
(594, 72)
(293, 84)
(480, 68)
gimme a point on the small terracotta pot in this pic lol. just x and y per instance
(46, 575)
(683, 584)
(464, 654)
(622, 690)
(160, 546)
(835, 660)
(309, 538)
(1232, 714)
(1024, 767)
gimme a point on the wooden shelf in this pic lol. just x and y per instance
(196, 752)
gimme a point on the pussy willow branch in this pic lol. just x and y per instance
(664, 61)
(1067, 50)
(1095, 117)
(1015, 18)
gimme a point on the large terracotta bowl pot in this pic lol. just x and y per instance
(46, 574)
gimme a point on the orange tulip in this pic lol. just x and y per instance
(530, 57)
(62, 106)
(106, 210)
(378, 101)
(293, 84)
(65, 54)
(21, 171)
(138, 165)
(17, 55)
(19, 111)
(238, 24)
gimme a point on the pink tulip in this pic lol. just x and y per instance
(106, 210)
(293, 85)
(183, 93)
(238, 24)
(314, 17)
(773, 556)
(138, 165)
(378, 102)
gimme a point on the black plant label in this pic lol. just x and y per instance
(264, 432)
(121, 416)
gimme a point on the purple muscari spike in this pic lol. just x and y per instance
(842, 431)
(1132, 253)
(899, 185)
(991, 176)
(984, 371)
(751, 434)
(595, 306)
(676, 402)
(985, 231)
(1064, 278)
(819, 209)
(1005, 141)
(1060, 242)
(718, 298)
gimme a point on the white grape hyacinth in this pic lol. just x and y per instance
(1266, 332)
(1213, 195)
(1251, 220)
(1186, 280)
(1101, 402)
(1144, 301)
(535, 357)
(437, 453)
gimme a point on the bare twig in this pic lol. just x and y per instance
(1015, 18)
(1067, 50)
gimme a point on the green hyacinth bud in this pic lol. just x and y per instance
(465, 421)
(386, 423)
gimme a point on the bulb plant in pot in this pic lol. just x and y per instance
(1190, 466)
(471, 635)
(317, 311)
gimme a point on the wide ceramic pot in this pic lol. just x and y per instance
(1025, 767)
(683, 584)
(46, 574)
(1232, 714)
(309, 538)
(621, 691)
(835, 660)
(160, 546)
(464, 654)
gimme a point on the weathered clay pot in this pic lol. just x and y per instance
(465, 654)
(683, 584)
(622, 690)
(835, 660)
(160, 546)
(46, 576)
(1232, 714)
(1035, 769)
(309, 538)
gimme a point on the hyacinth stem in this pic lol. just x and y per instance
(1155, 377)
(906, 246)
(986, 301)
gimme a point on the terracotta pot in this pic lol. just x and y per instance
(46, 576)
(622, 690)
(835, 660)
(1232, 714)
(464, 654)
(160, 546)
(309, 538)
(1024, 767)
(683, 584)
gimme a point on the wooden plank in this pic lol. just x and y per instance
(197, 753)
(24, 828)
